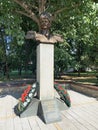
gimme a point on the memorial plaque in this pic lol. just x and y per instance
(49, 111)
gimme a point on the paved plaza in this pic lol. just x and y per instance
(82, 115)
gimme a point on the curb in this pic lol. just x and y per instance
(88, 90)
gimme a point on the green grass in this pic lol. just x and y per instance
(88, 81)
(89, 77)
(14, 75)
(86, 78)
(84, 74)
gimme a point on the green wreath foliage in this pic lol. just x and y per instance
(26, 98)
(29, 93)
(63, 94)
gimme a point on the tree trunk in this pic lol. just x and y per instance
(20, 70)
(79, 72)
(7, 71)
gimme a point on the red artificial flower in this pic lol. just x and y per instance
(28, 89)
(65, 92)
(60, 88)
(23, 97)
(25, 93)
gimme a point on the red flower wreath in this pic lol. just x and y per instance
(63, 94)
(25, 93)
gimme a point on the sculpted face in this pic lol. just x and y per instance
(45, 21)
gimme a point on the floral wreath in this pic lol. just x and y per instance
(63, 94)
(26, 98)
(32, 90)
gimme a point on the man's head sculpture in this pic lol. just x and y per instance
(45, 23)
(44, 36)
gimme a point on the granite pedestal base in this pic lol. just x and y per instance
(47, 110)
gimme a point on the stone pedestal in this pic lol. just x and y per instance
(49, 111)
(45, 69)
(47, 107)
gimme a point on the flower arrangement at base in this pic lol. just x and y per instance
(26, 98)
(63, 94)
(31, 90)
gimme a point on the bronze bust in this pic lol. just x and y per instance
(45, 24)
(44, 32)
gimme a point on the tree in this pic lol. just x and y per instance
(93, 45)
(62, 58)
(33, 9)
(3, 48)
(82, 33)
(71, 18)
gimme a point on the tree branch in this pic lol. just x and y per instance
(33, 6)
(26, 8)
(22, 13)
(42, 6)
(61, 10)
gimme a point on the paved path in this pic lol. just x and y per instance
(16, 83)
(83, 115)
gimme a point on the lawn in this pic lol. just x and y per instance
(14, 75)
(85, 78)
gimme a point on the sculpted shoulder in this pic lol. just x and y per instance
(42, 38)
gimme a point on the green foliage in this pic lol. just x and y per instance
(62, 58)
(75, 20)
